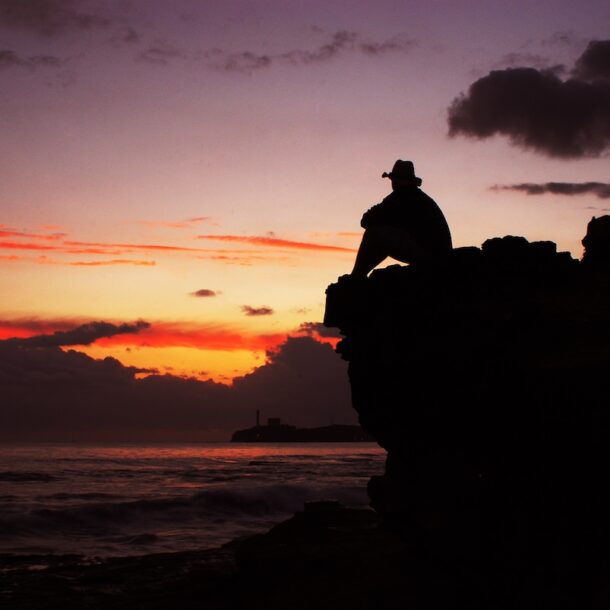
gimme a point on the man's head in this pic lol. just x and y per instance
(402, 175)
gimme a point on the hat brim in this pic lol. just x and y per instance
(410, 179)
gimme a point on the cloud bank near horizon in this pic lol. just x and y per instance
(51, 394)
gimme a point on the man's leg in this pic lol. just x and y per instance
(370, 253)
(381, 241)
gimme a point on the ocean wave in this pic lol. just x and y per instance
(16, 476)
(92, 495)
(254, 501)
(143, 539)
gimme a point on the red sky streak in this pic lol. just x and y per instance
(274, 242)
(168, 334)
(160, 334)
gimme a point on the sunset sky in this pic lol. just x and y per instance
(202, 166)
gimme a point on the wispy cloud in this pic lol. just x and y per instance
(54, 248)
(46, 260)
(247, 259)
(257, 311)
(333, 234)
(13, 258)
(9, 232)
(131, 246)
(349, 233)
(12, 245)
(9, 59)
(341, 42)
(161, 53)
(49, 17)
(114, 261)
(571, 189)
(274, 242)
(179, 224)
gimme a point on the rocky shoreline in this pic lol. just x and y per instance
(326, 556)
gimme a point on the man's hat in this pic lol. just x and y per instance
(403, 171)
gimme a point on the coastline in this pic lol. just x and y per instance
(324, 556)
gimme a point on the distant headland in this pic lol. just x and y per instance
(276, 432)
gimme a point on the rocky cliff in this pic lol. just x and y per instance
(486, 377)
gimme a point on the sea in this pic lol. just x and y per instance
(127, 499)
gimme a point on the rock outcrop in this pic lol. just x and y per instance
(485, 375)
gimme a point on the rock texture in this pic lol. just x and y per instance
(486, 377)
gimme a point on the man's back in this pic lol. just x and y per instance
(413, 211)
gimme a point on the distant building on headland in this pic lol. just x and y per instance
(276, 432)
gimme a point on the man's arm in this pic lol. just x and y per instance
(373, 216)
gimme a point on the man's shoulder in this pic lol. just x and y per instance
(391, 198)
(425, 198)
(423, 195)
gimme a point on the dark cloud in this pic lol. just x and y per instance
(257, 311)
(204, 292)
(55, 395)
(599, 189)
(303, 381)
(85, 334)
(341, 42)
(539, 111)
(48, 17)
(317, 328)
(21, 366)
(10, 59)
(594, 63)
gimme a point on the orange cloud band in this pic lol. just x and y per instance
(184, 334)
(274, 242)
(159, 334)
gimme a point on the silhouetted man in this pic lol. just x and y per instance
(407, 225)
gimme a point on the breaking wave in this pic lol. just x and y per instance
(104, 501)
